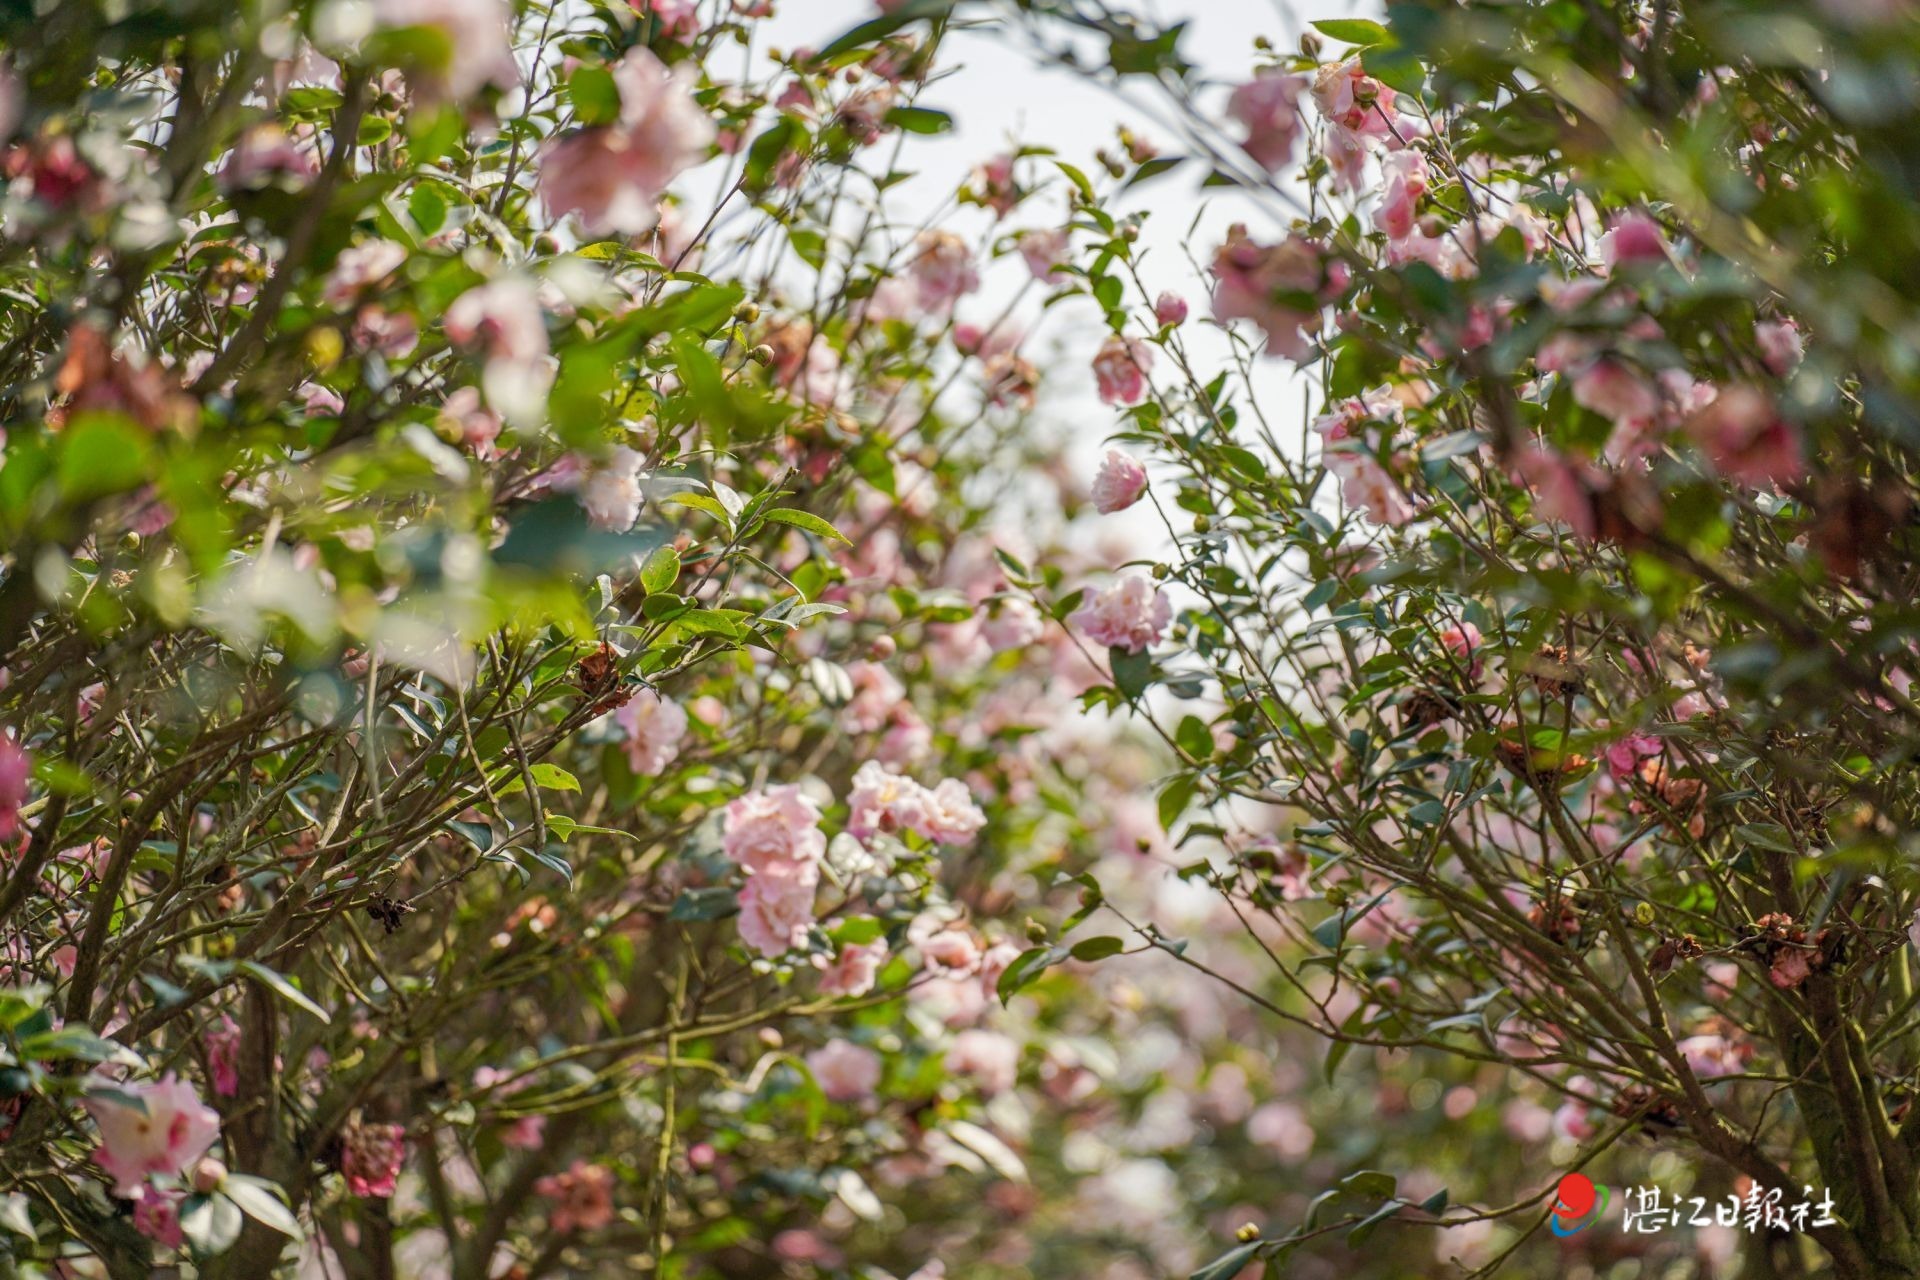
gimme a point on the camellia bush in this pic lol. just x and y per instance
(568, 707)
(1540, 708)
(492, 773)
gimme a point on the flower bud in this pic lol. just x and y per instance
(208, 1175)
(1247, 1233)
(762, 354)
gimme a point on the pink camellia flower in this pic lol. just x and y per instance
(677, 19)
(1132, 614)
(1119, 484)
(1792, 966)
(1405, 174)
(1615, 391)
(1781, 346)
(991, 1059)
(949, 953)
(371, 1156)
(994, 185)
(778, 827)
(173, 1131)
(1169, 309)
(1709, 1056)
(875, 694)
(1561, 488)
(222, 1045)
(1261, 283)
(1350, 432)
(1633, 237)
(265, 155)
(1045, 252)
(1120, 369)
(855, 970)
(948, 814)
(1743, 435)
(610, 492)
(16, 771)
(479, 50)
(361, 269)
(845, 1072)
(1463, 642)
(477, 426)
(884, 801)
(1625, 755)
(502, 319)
(1353, 100)
(612, 176)
(582, 1196)
(943, 270)
(321, 401)
(1268, 107)
(776, 906)
(654, 726)
(156, 1215)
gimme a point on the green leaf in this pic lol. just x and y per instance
(261, 1201)
(595, 96)
(920, 119)
(808, 521)
(1360, 31)
(211, 1223)
(283, 988)
(77, 1044)
(1097, 948)
(661, 570)
(1229, 1264)
(1132, 670)
(885, 25)
(102, 453)
(1366, 1225)
(1194, 738)
(1026, 967)
(554, 778)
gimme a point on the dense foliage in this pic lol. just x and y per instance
(568, 710)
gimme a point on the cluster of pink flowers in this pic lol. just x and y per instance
(1132, 614)
(612, 176)
(1350, 436)
(504, 323)
(582, 1196)
(370, 1157)
(1280, 287)
(854, 971)
(654, 725)
(886, 802)
(774, 835)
